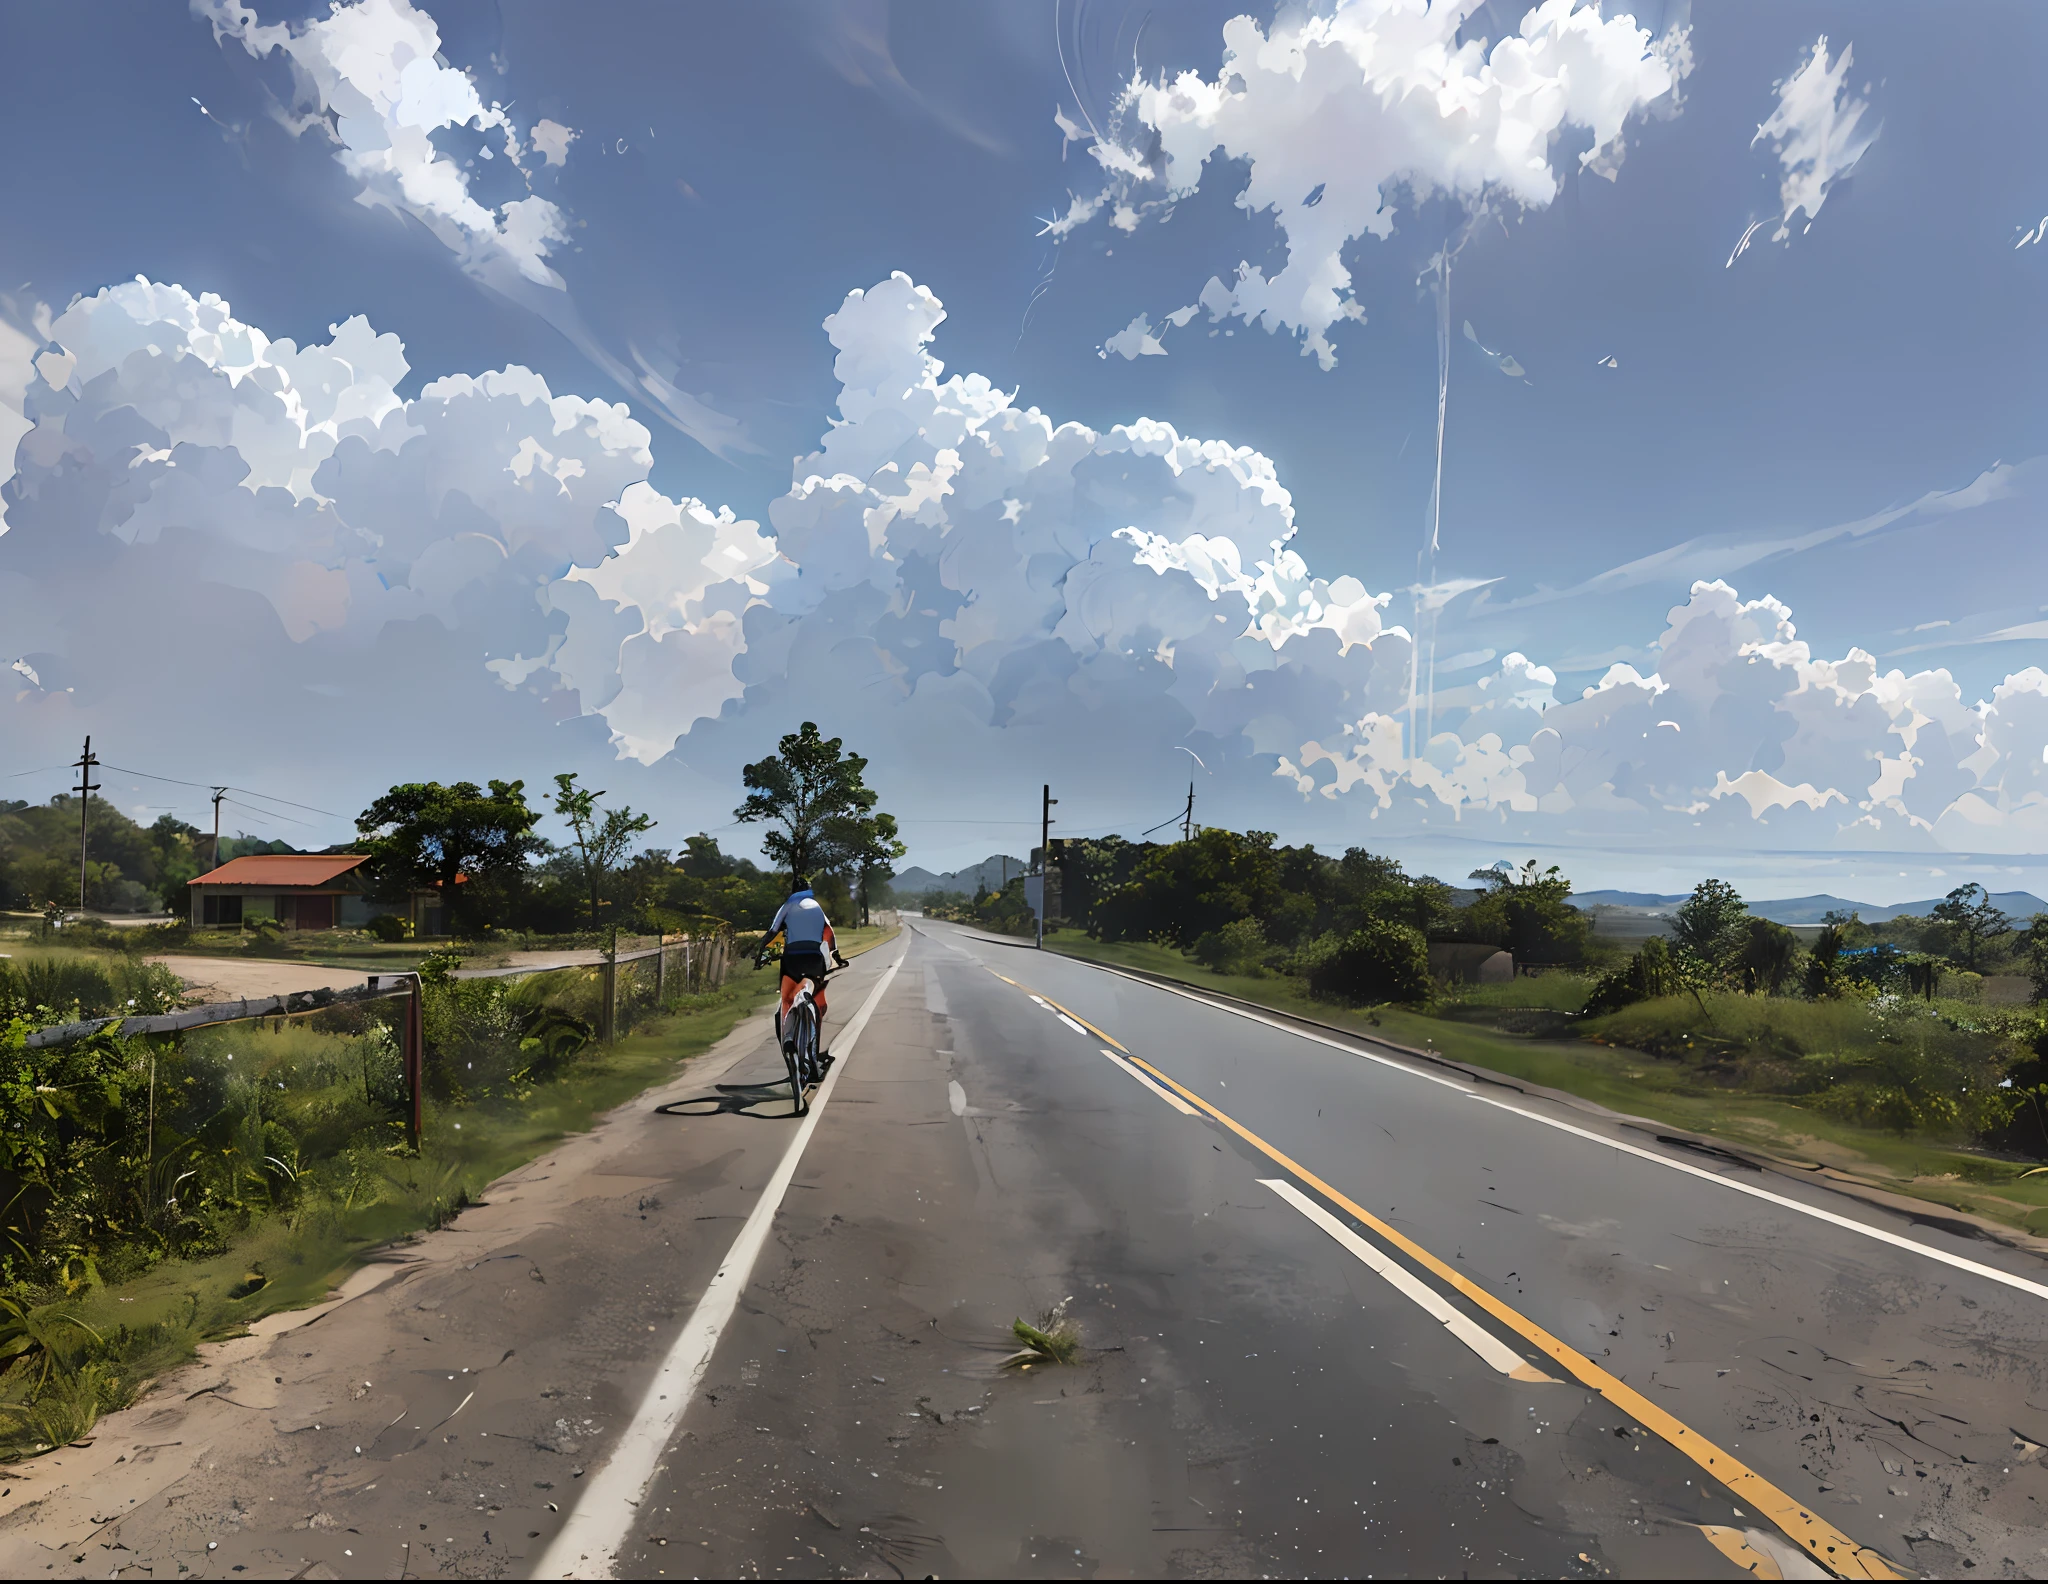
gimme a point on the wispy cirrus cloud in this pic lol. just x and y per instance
(1817, 132)
(369, 76)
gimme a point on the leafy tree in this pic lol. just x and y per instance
(1379, 961)
(2037, 955)
(1824, 975)
(1765, 955)
(424, 835)
(806, 790)
(864, 846)
(1709, 923)
(1529, 912)
(1181, 892)
(1973, 922)
(602, 839)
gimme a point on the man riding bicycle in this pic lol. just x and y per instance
(806, 936)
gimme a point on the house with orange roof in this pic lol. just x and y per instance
(303, 891)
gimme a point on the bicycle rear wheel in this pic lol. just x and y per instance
(792, 1056)
(807, 1053)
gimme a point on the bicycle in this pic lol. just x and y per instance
(797, 1034)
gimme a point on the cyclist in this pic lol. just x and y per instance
(806, 936)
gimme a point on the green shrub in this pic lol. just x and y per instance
(390, 927)
(1653, 972)
(1239, 947)
(1379, 961)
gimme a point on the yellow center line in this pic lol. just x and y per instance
(1827, 1544)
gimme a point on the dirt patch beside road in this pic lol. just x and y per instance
(234, 978)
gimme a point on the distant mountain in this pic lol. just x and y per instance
(1815, 909)
(991, 872)
(1627, 899)
(2022, 905)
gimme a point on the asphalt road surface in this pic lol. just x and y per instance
(1340, 1313)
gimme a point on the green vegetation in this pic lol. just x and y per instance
(1527, 1031)
(131, 868)
(1871, 1049)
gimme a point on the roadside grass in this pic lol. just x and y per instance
(1637, 1082)
(107, 1341)
(295, 1257)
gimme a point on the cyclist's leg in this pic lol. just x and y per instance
(789, 990)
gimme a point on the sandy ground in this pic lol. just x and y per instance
(232, 978)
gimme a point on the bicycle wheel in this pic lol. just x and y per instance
(807, 1049)
(792, 1059)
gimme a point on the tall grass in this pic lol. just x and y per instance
(49, 986)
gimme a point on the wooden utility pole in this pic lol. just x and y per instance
(87, 762)
(1187, 820)
(1046, 801)
(218, 794)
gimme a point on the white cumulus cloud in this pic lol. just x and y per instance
(1342, 114)
(216, 531)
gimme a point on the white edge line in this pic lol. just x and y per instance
(1165, 1094)
(1880, 1234)
(1489, 1347)
(588, 1542)
(1070, 1023)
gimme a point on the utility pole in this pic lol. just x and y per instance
(1046, 801)
(218, 794)
(1187, 820)
(87, 762)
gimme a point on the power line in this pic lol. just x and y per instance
(269, 813)
(207, 786)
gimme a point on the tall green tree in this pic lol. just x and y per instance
(424, 835)
(1973, 922)
(603, 837)
(2037, 955)
(1709, 923)
(865, 846)
(806, 791)
(1529, 911)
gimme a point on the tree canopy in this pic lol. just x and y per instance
(1973, 921)
(603, 838)
(424, 835)
(821, 813)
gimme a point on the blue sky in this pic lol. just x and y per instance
(1843, 420)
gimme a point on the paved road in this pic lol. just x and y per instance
(1312, 1287)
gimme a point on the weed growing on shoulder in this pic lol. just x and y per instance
(1056, 1339)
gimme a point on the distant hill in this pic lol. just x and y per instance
(2022, 905)
(1627, 899)
(991, 872)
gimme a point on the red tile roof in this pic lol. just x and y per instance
(283, 869)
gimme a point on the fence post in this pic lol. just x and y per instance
(660, 967)
(413, 1047)
(608, 1012)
